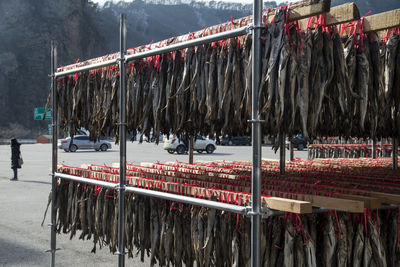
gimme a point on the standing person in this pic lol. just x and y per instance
(15, 156)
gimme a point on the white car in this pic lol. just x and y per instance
(83, 142)
(201, 144)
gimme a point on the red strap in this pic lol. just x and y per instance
(309, 22)
(369, 12)
(338, 224)
(365, 222)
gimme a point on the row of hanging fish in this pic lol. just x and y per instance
(316, 82)
(173, 234)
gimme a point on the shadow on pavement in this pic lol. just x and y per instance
(205, 154)
(90, 151)
(14, 254)
(34, 182)
(213, 154)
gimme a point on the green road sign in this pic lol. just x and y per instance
(38, 114)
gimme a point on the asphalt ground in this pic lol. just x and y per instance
(23, 241)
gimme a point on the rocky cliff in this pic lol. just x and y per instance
(85, 30)
(26, 28)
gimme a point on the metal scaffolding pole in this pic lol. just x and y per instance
(191, 148)
(122, 143)
(256, 137)
(373, 148)
(282, 154)
(54, 152)
(291, 149)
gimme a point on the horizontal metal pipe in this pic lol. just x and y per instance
(158, 194)
(88, 67)
(190, 43)
(86, 180)
(188, 200)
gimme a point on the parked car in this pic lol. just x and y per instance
(83, 142)
(235, 141)
(142, 138)
(181, 146)
(299, 142)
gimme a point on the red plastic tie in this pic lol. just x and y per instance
(338, 224)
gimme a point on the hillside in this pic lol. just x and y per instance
(85, 30)
(25, 54)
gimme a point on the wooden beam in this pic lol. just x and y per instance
(382, 21)
(387, 198)
(337, 15)
(341, 204)
(369, 202)
(336, 203)
(309, 9)
(342, 14)
(287, 205)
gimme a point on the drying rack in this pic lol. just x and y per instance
(337, 15)
(254, 211)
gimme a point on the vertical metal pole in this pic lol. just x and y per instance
(122, 136)
(373, 148)
(54, 152)
(394, 153)
(282, 154)
(256, 137)
(191, 148)
(291, 150)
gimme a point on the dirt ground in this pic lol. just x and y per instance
(23, 242)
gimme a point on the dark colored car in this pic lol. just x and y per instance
(235, 141)
(299, 142)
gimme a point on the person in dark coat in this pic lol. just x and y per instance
(15, 156)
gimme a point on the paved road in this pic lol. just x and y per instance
(23, 241)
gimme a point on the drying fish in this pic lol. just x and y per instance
(358, 246)
(154, 230)
(363, 76)
(378, 250)
(208, 243)
(329, 242)
(289, 249)
(82, 215)
(178, 237)
(342, 244)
